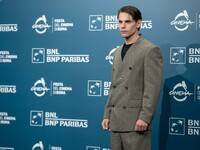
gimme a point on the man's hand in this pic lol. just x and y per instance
(141, 125)
(105, 124)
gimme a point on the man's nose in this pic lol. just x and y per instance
(123, 25)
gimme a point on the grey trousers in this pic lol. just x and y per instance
(130, 140)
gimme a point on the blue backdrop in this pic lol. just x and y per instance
(56, 59)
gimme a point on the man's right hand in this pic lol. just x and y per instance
(105, 124)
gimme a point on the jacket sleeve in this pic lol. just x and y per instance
(152, 83)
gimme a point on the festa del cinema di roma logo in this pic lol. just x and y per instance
(182, 22)
(40, 146)
(180, 92)
(57, 88)
(41, 25)
(110, 56)
(40, 88)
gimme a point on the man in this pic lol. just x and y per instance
(135, 87)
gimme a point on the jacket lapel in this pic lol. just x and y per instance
(120, 66)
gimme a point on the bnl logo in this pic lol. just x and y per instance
(6, 148)
(94, 87)
(177, 55)
(38, 55)
(92, 148)
(96, 23)
(176, 126)
(36, 118)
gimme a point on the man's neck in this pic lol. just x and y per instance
(132, 39)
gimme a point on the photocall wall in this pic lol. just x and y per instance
(56, 59)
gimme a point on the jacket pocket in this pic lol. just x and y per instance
(134, 103)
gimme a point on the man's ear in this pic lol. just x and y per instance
(139, 23)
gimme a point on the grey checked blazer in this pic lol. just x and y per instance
(135, 87)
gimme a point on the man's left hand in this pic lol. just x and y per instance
(141, 125)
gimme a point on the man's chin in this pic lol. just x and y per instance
(125, 36)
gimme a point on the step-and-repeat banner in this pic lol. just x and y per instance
(55, 62)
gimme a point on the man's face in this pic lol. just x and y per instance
(127, 26)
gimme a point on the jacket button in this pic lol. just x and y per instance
(124, 107)
(113, 106)
(114, 86)
(113, 69)
(126, 88)
(130, 68)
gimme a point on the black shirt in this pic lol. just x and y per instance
(125, 49)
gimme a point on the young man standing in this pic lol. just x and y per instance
(135, 87)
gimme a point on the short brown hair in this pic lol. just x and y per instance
(131, 10)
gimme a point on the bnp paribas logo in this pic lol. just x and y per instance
(38, 55)
(96, 23)
(177, 55)
(92, 148)
(36, 118)
(103, 22)
(6, 148)
(176, 126)
(94, 87)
